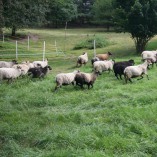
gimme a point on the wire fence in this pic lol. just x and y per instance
(27, 47)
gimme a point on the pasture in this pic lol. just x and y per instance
(112, 119)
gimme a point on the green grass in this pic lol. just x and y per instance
(112, 119)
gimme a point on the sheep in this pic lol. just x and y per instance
(101, 66)
(40, 63)
(94, 60)
(4, 64)
(82, 59)
(150, 55)
(65, 79)
(10, 73)
(31, 65)
(136, 71)
(24, 68)
(86, 78)
(39, 72)
(104, 56)
(119, 67)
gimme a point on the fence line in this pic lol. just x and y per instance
(17, 49)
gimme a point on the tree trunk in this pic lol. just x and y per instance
(13, 31)
(140, 44)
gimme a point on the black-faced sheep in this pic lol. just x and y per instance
(119, 67)
(65, 79)
(86, 78)
(82, 59)
(94, 60)
(136, 71)
(4, 64)
(104, 56)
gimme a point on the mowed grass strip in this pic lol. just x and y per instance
(112, 119)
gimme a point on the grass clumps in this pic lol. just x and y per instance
(88, 43)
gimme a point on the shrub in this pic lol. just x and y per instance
(88, 43)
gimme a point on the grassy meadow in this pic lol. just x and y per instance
(111, 119)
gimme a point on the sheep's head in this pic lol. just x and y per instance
(132, 61)
(14, 61)
(109, 53)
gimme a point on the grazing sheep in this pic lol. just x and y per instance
(82, 59)
(65, 79)
(104, 56)
(86, 78)
(101, 66)
(119, 67)
(10, 73)
(40, 63)
(4, 64)
(39, 72)
(136, 71)
(94, 60)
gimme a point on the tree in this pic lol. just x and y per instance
(84, 8)
(1, 16)
(23, 13)
(103, 12)
(139, 18)
(61, 11)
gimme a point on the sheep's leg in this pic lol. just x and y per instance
(130, 80)
(140, 78)
(117, 76)
(147, 76)
(121, 77)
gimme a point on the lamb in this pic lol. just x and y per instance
(4, 64)
(136, 71)
(40, 63)
(101, 66)
(10, 73)
(65, 79)
(94, 60)
(39, 72)
(82, 59)
(104, 56)
(86, 78)
(120, 66)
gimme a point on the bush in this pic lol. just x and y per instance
(88, 43)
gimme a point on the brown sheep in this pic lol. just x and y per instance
(104, 56)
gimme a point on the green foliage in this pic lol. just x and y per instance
(139, 18)
(89, 43)
(1, 16)
(103, 12)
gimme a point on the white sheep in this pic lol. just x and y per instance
(4, 64)
(40, 63)
(82, 59)
(24, 68)
(31, 65)
(136, 71)
(82, 78)
(10, 73)
(100, 66)
(149, 55)
(65, 79)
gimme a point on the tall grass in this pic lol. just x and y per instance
(112, 119)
